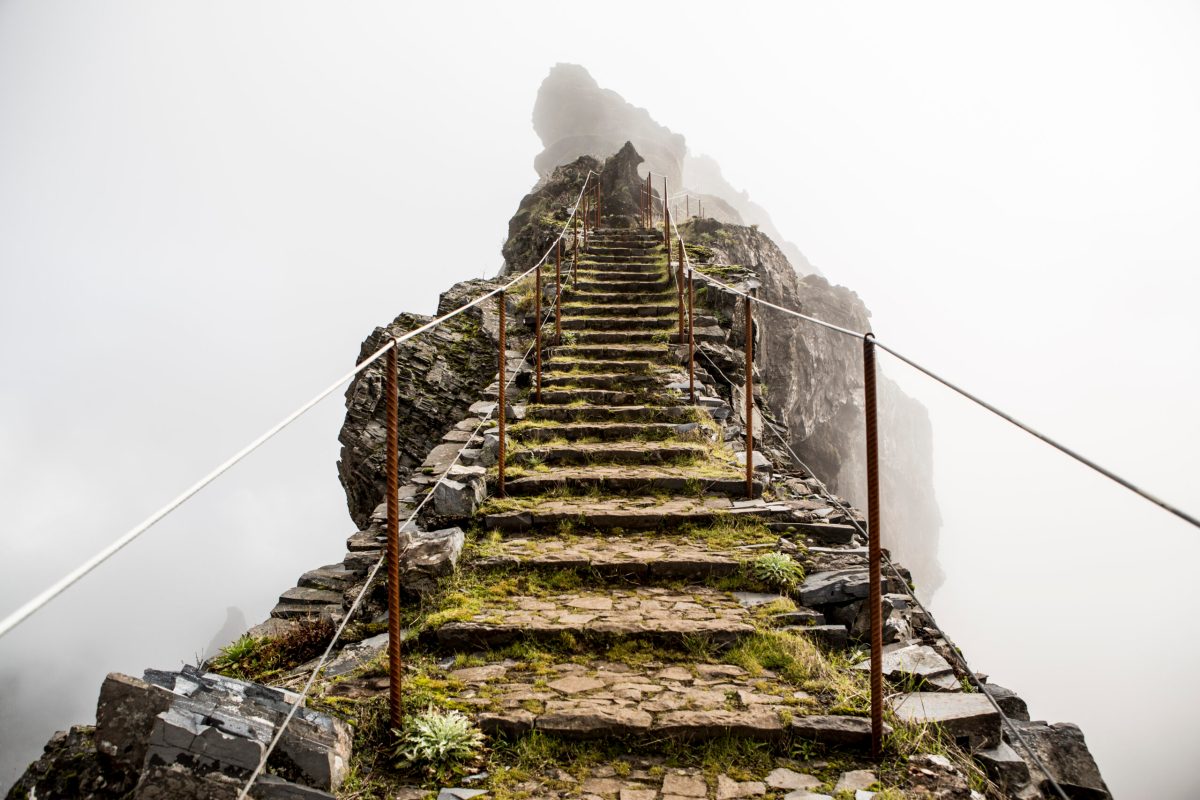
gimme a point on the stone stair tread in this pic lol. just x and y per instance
(633, 555)
(633, 513)
(677, 414)
(664, 615)
(610, 479)
(613, 452)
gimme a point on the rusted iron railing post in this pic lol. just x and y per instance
(537, 327)
(501, 406)
(585, 219)
(749, 397)
(392, 468)
(575, 250)
(691, 290)
(649, 201)
(666, 221)
(558, 291)
(679, 283)
(873, 549)
(599, 204)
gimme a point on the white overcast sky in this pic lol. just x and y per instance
(204, 208)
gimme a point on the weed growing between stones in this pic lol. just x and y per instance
(439, 743)
(262, 658)
(777, 570)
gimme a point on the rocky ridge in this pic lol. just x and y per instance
(622, 626)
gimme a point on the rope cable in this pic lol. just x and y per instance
(1087, 462)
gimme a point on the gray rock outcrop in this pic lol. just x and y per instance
(442, 372)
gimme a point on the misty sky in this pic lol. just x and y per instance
(205, 207)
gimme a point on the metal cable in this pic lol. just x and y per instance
(74, 576)
(1087, 462)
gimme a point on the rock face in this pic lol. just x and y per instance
(442, 372)
(815, 386)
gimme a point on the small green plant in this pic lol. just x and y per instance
(778, 570)
(439, 742)
(568, 338)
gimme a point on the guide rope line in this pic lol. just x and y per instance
(957, 651)
(1087, 462)
(262, 762)
(74, 576)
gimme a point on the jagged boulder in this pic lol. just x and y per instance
(427, 556)
(1062, 749)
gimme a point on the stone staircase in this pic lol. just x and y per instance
(607, 597)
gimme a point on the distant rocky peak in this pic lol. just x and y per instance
(574, 116)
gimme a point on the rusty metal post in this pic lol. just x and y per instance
(749, 398)
(679, 283)
(558, 291)
(537, 327)
(585, 219)
(666, 220)
(649, 201)
(691, 290)
(599, 204)
(501, 406)
(575, 253)
(873, 549)
(392, 468)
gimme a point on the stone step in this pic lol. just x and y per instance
(644, 453)
(620, 309)
(567, 365)
(290, 609)
(620, 284)
(599, 296)
(628, 325)
(628, 513)
(692, 701)
(623, 259)
(552, 396)
(627, 249)
(637, 336)
(626, 557)
(332, 577)
(587, 413)
(630, 480)
(603, 700)
(602, 380)
(656, 352)
(601, 431)
(618, 273)
(604, 264)
(664, 616)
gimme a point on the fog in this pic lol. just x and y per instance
(205, 207)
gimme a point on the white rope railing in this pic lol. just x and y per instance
(38, 602)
